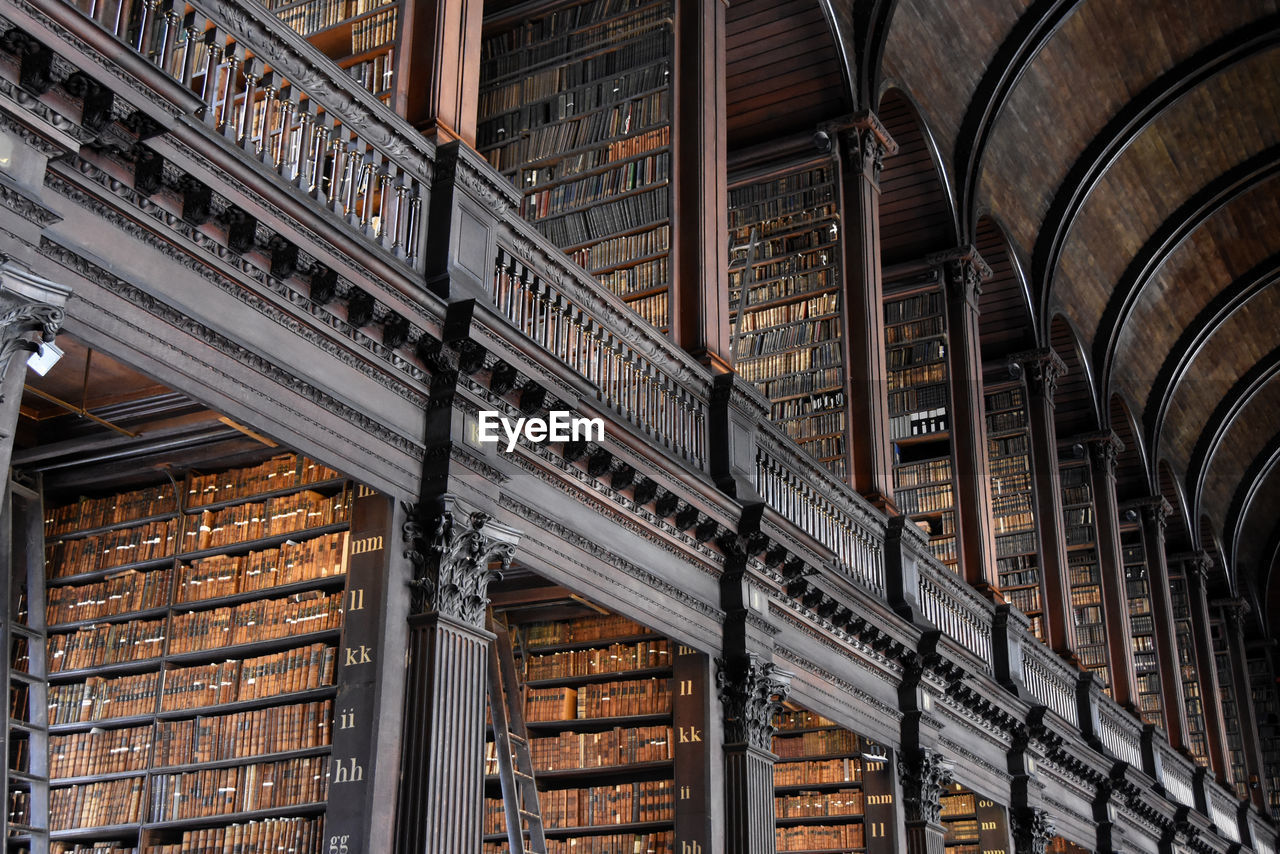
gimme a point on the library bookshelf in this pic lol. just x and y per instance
(1188, 666)
(1228, 692)
(915, 328)
(26, 771)
(1265, 695)
(575, 109)
(604, 723)
(819, 803)
(1083, 567)
(193, 659)
(973, 824)
(785, 303)
(1013, 501)
(1146, 667)
(361, 36)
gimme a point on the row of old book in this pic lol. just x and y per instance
(579, 750)
(269, 836)
(239, 523)
(110, 510)
(138, 640)
(662, 842)
(846, 770)
(604, 627)
(604, 700)
(597, 806)
(818, 804)
(223, 575)
(277, 729)
(615, 658)
(809, 837)
(242, 788)
(286, 672)
(819, 743)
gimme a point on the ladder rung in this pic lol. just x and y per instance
(518, 739)
(529, 816)
(523, 775)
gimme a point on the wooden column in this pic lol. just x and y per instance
(864, 143)
(751, 692)
(700, 209)
(1195, 574)
(963, 272)
(924, 774)
(1042, 369)
(1155, 515)
(32, 315)
(1032, 831)
(437, 85)
(1234, 612)
(441, 807)
(1103, 448)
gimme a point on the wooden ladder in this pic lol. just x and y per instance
(525, 832)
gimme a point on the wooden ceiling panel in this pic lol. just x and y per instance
(783, 70)
(1074, 410)
(1100, 58)
(1229, 119)
(1224, 248)
(939, 51)
(1131, 470)
(1004, 318)
(915, 210)
(1248, 335)
(1242, 441)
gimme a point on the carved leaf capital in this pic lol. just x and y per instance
(752, 691)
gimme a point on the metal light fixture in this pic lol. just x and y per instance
(44, 358)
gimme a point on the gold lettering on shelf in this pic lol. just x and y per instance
(348, 719)
(363, 491)
(686, 687)
(877, 800)
(686, 792)
(877, 829)
(989, 825)
(355, 599)
(358, 656)
(366, 545)
(338, 844)
(690, 848)
(685, 650)
(347, 772)
(690, 734)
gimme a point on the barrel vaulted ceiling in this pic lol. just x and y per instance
(1120, 164)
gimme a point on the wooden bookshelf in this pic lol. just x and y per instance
(1013, 501)
(974, 824)
(1083, 569)
(785, 301)
(575, 109)
(1188, 669)
(819, 802)
(362, 36)
(26, 770)
(1265, 695)
(192, 693)
(1227, 697)
(919, 409)
(600, 712)
(1146, 667)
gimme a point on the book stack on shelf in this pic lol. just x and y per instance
(1059, 845)
(1083, 570)
(785, 302)
(575, 109)
(192, 665)
(1012, 501)
(1227, 694)
(1146, 666)
(960, 818)
(360, 35)
(915, 332)
(598, 707)
(25, 780)
(1188, 669)
(1265, 695)
(817, 779)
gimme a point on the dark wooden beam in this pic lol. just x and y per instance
(1125, 127)
(1020, 48)
(1246, 493)
(1197, 334)
(1226, 412)
(871, 23)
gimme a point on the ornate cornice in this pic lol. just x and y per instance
(872, 703)
(1043, 368)
(751, 691)
(1104, 448)
(1155, 510)
(26, 207)
(1032, 828)
(964, 271)
(924, 773)
(453, 553)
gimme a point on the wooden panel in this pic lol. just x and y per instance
(1228, 245)
(1101, 56)
(915, 213)
(1131, 473)
(939, 51)
(1230, 118)
(1248, 335)
(1004, 321)
(1074, 410)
